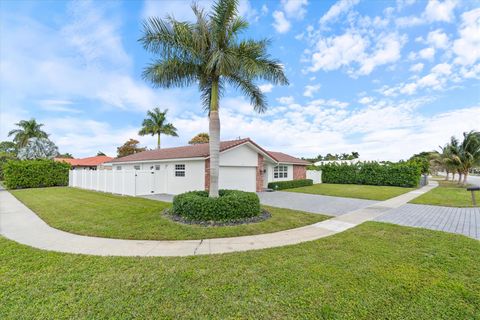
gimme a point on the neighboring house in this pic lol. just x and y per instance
(353, 161)
(244, 165)
(90, 163)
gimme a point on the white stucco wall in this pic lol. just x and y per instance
(242, 156)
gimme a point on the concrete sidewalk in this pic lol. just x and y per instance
(20, 224)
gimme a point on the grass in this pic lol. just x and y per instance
(353, 191)
(112, 216)
(373, 271)
(448, 194)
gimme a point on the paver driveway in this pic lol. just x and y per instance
(313, 203)
(333, 206)
(464, 221)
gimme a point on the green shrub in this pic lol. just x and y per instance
(35, 174)
(401, 174)
(280, 185)
(230, 205)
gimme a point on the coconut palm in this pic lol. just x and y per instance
(209, 53)
(155, 124)
(469, 153)
(27, 129)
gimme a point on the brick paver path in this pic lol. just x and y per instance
(464, 221)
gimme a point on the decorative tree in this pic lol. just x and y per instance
(27, 129)
(129, 147)
(65, 155)
(211, 54)
(200, 138)
(38, 148)
(155, 124)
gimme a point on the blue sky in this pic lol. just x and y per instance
(384, 78)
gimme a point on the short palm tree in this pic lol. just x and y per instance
(27, 129)
(155, 124)
(209, 53)
(469, 153)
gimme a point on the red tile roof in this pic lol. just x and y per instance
(86, 162)
(285, 158)
(201, 151)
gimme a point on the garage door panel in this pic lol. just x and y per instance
(238, 178)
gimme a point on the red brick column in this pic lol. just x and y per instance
(207, 174)
(299, 172)
(260, 174)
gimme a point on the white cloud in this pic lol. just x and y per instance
(409, 21)
(440, 10)
(427, 53)
(59, 106)
(434, 11)
(417, 67)
(467, 47)
(352, 48)
(334, 52)
(264, 9)
(387, 50)
(337, 9)
(181, 10)
(281, 24)
(365, 100)
(438, 39)
(310, 90)
(286, 100)
(295, 8)
(267, 87)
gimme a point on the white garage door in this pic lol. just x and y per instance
(238, 178)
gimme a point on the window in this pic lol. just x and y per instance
(136, 167)
(280, 172)
(179, 170)
(119, 167)
(157, 167)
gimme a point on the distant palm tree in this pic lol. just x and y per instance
(155, 124)
(28, 129)
(469, 155)
(209, 53)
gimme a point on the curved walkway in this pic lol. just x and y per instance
(20, 224)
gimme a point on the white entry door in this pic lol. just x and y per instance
(238, 178)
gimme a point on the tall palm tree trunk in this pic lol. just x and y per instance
(214, 143)
(158, 141)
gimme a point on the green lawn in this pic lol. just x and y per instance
(373, 271)
(106, 215)
(449, 194)
(353, 191)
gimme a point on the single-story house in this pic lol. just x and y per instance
(244, 165)
(90, 163)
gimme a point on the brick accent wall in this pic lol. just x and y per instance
(299, 172)
(260, 174)
(207, 174)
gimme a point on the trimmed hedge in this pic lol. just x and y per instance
(401, 174)
(230, 205)
(35, 174)
(280, 185)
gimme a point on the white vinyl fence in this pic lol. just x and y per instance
(124, 182)
(315, 175)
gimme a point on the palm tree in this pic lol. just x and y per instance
(209, 53)
(28, 129)
(155, 124)
(469, 153)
